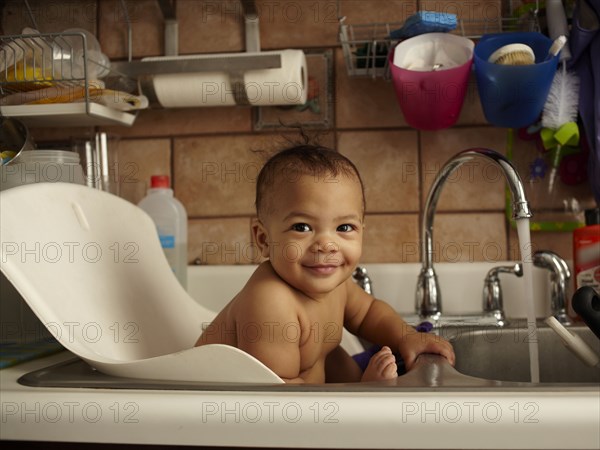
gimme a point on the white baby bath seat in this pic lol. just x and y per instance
(90, 266)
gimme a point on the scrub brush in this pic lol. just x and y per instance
(513, 55)
(523, 55)
(559, 118)
(563, 99)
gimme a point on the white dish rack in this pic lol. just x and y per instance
(44, 82)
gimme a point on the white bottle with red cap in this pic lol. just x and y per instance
(171, 222)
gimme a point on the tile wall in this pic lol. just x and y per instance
(208, 151)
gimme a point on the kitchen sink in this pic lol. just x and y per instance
(485, 358)
(503, 354)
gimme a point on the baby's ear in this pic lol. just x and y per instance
(261, 238)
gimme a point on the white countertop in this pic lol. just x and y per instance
(395, 418)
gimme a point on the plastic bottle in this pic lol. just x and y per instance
(42, 166)
(170, 218)
(586, 251)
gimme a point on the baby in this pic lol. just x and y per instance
(310, 205)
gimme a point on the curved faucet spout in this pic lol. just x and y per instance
(428, 299)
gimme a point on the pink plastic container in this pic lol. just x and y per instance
(430, 96)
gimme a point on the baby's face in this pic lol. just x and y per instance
(313, 231)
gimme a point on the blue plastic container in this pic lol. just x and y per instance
(514, 96)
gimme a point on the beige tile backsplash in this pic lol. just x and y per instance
(473, 186)
(215, 176)
(363, 103)
(146, 25)
(137, 161)
(210, 153)
(388, 163)
(221, 241)
(391, 238)
(187, 121)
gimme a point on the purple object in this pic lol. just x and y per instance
(424, 327)
(363, 358)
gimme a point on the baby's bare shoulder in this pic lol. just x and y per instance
(266, 293)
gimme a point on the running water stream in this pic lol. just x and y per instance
(527, 259)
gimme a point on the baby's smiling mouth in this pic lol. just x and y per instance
(322, 269)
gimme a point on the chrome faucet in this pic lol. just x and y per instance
(361, 277)
(559, 275)
(493, 303)
(428, 297)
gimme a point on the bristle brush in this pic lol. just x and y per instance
(513, 55)
(561, 107)
(563, 99)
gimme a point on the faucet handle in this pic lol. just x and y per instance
(492, 292)
(361, 277)
(516, 269)
(559, 275)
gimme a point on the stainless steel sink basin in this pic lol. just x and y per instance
(503, 354)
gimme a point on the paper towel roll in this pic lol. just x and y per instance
(286, 85)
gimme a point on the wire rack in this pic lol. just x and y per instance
(34, 62)
(366, 47)
(48, 79)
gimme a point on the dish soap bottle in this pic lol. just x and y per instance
(586, 251)
(170, 218)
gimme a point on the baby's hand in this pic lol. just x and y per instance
(416, 343)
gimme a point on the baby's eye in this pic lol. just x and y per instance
(346, 228)
(301, 227)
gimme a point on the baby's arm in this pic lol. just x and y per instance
(377, 322)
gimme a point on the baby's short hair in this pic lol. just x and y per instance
(300, 160)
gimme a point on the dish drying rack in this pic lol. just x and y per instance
(45, 81)
(366, 47)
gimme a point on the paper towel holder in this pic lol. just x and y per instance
(144, 71)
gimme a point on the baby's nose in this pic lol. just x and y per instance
(325, 246)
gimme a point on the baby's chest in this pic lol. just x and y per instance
(321, 333)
